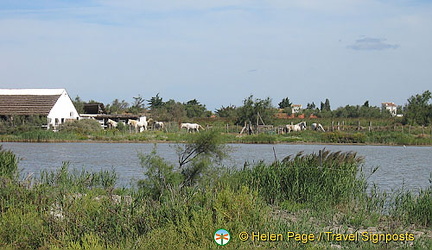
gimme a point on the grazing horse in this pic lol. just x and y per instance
(296, 127)
(112, 124)
(317, 127)
(158, 125)
(191, 126)
(138, 124)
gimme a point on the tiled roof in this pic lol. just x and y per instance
(27, 104)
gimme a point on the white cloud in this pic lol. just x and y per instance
(369, 43)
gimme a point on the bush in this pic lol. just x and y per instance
(81, 126)
(343, 137)
(22, 228)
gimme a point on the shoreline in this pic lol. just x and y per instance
(232, 142)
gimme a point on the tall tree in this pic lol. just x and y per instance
(195, 109)
(366, 104)
(285, 103)
(117, 106)
(252, 108)
(138, 105)
(311, 106)
(79, 104)
(326, 105)
(227, 112)
(155, 102)
(418, 110)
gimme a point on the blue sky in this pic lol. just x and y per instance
(220, 52)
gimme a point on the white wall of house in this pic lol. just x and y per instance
(391, 107)
(62, 111)
(296, 108)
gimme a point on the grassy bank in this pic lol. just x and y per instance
(181, 206)
(364, 137)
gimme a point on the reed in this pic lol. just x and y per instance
(413, 209)
(317, 178)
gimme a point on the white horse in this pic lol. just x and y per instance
(141, 125)
(112, 124)
(317, 127)
(296, 127)
(191, 126)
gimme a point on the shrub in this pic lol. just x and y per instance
(22, 228)
(343, 137)
(81, 126)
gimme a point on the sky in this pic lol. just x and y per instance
(220, 52)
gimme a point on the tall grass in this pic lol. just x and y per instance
(317, 178)
(8, 164)
(413, 209)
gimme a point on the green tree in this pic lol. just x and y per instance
(326, 105)
(138, 105)
(311, 106)
(79, 104)
(195, 158)
(172, 110)
(285, 103)
(195, 109)
(350, 111)
(155, 102)
(366, 104)
(418, 110)
(252, 108)
(227, 112)
(117, 107)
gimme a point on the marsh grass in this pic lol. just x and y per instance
(413, 209)
(317, 178)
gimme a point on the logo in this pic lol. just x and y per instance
(222, 237)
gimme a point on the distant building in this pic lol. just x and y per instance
(94, 108)
(390, 106)
(296, 108)
(54, 104)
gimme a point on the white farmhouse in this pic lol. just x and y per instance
(390, 106)
(296, 108)
(55, 104)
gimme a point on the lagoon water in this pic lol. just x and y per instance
(408, 167)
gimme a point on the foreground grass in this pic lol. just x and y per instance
(301, 198)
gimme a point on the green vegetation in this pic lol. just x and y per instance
(182, 206)
(386, 134)
(350, 124)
